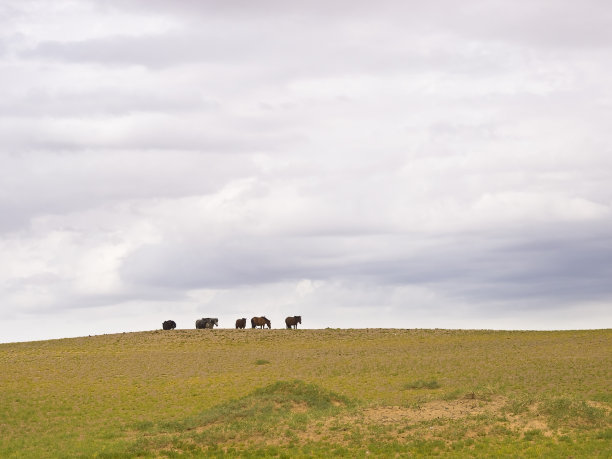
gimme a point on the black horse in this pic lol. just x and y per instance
(169, 325)
(292, 322)
(260, 322)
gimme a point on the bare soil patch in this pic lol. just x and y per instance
(438, 409)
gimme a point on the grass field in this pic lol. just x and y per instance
(292, 393)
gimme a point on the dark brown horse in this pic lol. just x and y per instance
(241, 323)
(293, 321)
(260, 322)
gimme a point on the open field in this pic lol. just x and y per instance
(288, 393)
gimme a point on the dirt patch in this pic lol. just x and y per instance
(599, 405)
(439, 409)
(537, 424)
(528, 421)
(299, 407)
(330, 430)
(395, 418)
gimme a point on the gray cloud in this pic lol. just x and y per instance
(154, 51)
(548, 23)
(109, 101)
(304, 52)
(59, 184)
(571, 265)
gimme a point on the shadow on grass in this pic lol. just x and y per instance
(422, 384)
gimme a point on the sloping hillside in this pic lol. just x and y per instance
(308, 392)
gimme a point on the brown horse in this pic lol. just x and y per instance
(293, 321)
(241, 323)
(260, 322)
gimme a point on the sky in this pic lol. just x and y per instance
(398, 164)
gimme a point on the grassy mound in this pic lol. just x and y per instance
(268, 417)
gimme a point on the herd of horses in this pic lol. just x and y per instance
(211, 322)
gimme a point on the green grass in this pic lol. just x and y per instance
(321, 393)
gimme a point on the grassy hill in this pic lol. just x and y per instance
(288, 393)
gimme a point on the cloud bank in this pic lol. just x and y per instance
(388, 165)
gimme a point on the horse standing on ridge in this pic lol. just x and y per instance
(206, 322)
(241, 323)
(260, 322)
(210, 324)
(293, 321)
(169, 325)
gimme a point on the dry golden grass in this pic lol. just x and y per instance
(393, 392)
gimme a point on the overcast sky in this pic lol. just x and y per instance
(364, 164)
